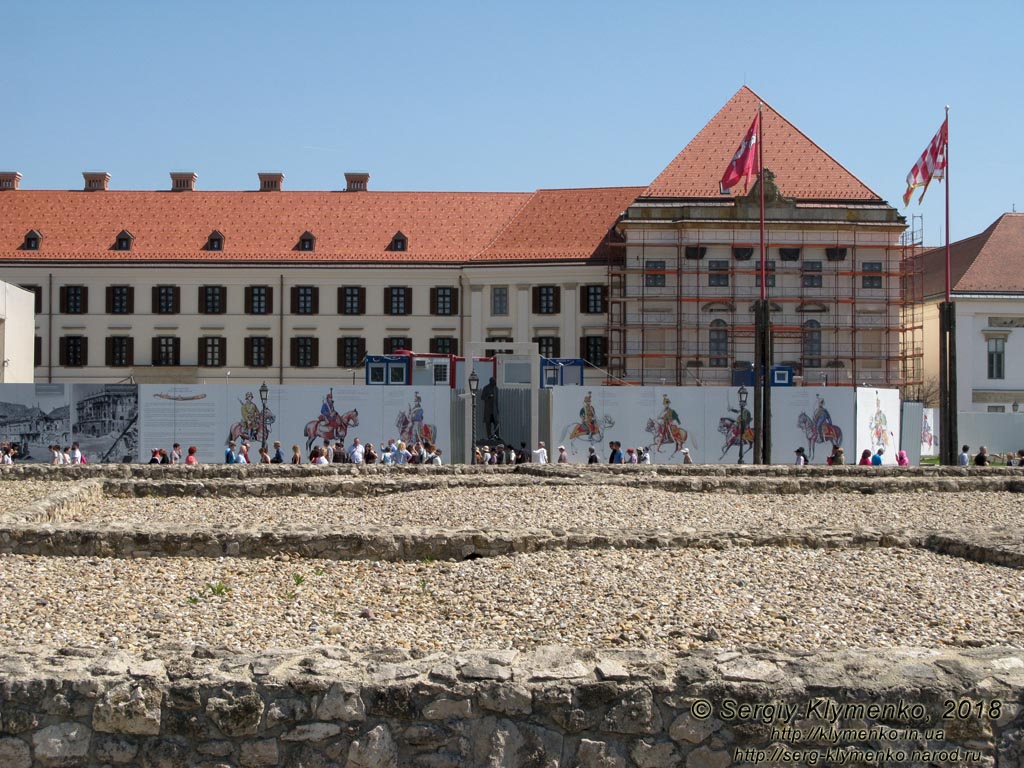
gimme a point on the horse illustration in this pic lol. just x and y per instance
(410, 431)
(673, 434)
(259, 431)
(830, 433)
(334, 427)
(731, 430)
(591, 433)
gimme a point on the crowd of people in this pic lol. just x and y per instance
(395, 452)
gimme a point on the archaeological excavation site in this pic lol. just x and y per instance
(628, 617)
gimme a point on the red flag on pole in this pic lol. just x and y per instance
(744, 162)
(932, 165)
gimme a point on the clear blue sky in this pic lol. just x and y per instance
(508, 96)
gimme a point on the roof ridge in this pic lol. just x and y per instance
(504, 227)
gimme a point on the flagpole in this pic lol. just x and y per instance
(951, 377)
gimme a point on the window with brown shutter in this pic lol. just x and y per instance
(166, 299)
(259, 300)
(351, 351)
(305, 351)
(120, 300)
(593, 299)
(548, 346)
(74, 300)
(444, 345)
(444, 300)
(594, 349)
(74, 351)
(120, 351)
(212, 351)
(351, 300)
(305, 300)
(547, 300)
(166, 351)
(38, 291)
(213, 300)
(397, 301)
(259, 351)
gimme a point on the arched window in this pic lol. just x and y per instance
(811, 347)
(718, 344)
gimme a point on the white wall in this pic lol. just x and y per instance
(17, 344)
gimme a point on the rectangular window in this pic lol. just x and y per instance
(497, 351)
(259, 300)
(305, 300)
(166, 350)
(120, 300)
(74, 300)
(996, 358)
(811, 274)
(594, 300)
(397, 301)
(305, 352)
(259, 352)
(394, 343)
(444, 345)
(547, 300)
(351, 351)
(872, 281)
(996, 409)
(548, 346)
(769, 275)
(74, 351)
(120, 351)
(718, 273)
(351, 300)
(595, 350)
(654, 276)
(443, 301)
(718, 346)
(166, 299)
(38, 291)
(499, 300)
(213, 300)
(212, 351)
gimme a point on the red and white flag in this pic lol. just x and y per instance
(932, 165)
(744, 162)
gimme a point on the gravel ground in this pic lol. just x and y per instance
(790, 599)
(15, 494)
(584, 507)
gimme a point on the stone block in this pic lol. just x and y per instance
(687, 728)
(448, 709)
(312, 732)
(634, 713)
(129, 708)
(62, 745)
(342, 702)
(238, 715)
(15, 753)
(508, 699)
(261, 752)
(597, 754)
(115, 749)
(375, 749)
(702, 757)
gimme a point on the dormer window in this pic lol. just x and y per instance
(307, 242)
(215, 242)
(32, 240)
(399, 242)
(124, 240)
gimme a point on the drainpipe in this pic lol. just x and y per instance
(280, 333)
(462, 319)
(49, 332)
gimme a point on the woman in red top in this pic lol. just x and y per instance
(865, 458)
(191, 458)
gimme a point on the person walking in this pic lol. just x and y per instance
(982, 459)
(541, 454)
(801, 459)
(902, 460)
(687, 459)
(965, 456)
(592, 457)
(876, 460)
(229, 454)
(296, 455)
(865, 458)
(175, 453)
(563, 457)
(278, 453)
(192, 459)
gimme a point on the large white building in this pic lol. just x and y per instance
(16, 323)
(987, 286)
(652, 283)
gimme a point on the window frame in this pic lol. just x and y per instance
(499, 308)
(811, 275)
(718, 273)
(654, 276)
(305, 352)
(74, 351)
(351, 351)
(397, 300)
(259, 351)
(995, 358)
(872, 281)
(595, 299)
(166, 351)
(718, 344)
(769, 274)
(259, 296)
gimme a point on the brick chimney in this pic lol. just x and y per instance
(10, 180)
(356, 181)
(183, 181)
(96, 181)
(271, 181)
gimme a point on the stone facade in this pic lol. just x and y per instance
(551, 707)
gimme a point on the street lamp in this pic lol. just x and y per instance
(742, 418)
(474, 385)
(263, 414)
(1015, 406)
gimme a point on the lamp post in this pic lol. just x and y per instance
(1015, 406)
(263, 414)
(474, 385)
(742, 419)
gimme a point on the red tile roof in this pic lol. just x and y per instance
(802, 169)
(350, 226)
(561, 224)
(989, 262)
